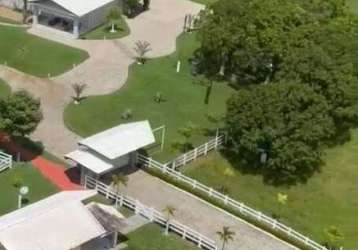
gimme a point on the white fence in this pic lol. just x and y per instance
(5, 161)
(225, 199)
(151, 214)
(197, 152)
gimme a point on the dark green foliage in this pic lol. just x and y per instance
(20, 114)
(287, 121)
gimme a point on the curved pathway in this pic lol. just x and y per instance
(105, 71)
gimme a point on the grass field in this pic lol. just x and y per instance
(183, 100)
(8, 20)
(4, 89)
(328, 198)
(39, 187)
(353, 5)
(102, 31)
(36, 56)
(150, 237)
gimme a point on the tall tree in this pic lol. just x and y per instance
(288, 123)
(119, 180)
(225, 236)
(20, 114)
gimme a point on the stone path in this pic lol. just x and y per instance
(201, 216)
(133, 223)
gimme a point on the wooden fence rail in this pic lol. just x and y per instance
(151, 214)
(170, 170)
(5, 161)
(202, 150)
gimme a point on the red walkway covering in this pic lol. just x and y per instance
(54, 172)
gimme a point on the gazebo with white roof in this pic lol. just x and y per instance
(111, 149)
(73, 16)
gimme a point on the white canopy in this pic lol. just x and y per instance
(90, 161)
(59, 222)
(121, 140)
(79, 7)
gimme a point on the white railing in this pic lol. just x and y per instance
(202, 150)
(151, 214)
(5, 161)
(229, 202)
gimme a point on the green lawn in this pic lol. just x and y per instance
(102, 31)
(39, 187)
(353, 4)
(4, 89)
(150, 237)
(36, 56)
(328, 198)
(183, 100)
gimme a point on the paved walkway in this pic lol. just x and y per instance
(55, 173)
(201, 216)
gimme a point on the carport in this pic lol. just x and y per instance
(111, 149)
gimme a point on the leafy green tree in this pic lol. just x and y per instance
(325, 58)
(288, 122)
(225, 235)
(20, 114)
(246, 36)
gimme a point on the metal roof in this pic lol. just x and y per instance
(59, 222)
(121, 140)
(79, 7)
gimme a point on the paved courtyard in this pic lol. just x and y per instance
(198, 214)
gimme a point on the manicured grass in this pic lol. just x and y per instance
(150, 237)
(103, 31)
(4, 89)
(36, 56)
(353, 5)
(328, 198)
(183, 100)
(40, 188)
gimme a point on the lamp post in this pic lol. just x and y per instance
(24, 190)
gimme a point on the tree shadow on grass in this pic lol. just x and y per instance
(269, 177)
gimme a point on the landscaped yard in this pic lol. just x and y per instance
(36, 56)
(183, 100)
(150, 237)
(4, 89)
(328, 198)
(103, 31)
(39, 187)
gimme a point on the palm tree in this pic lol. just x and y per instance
(78, 88)
(113, 15)
(118, 180)
(169, 211)
(225, 235)
(142, 48)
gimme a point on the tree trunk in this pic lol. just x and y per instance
(223, 246)
(24, 11)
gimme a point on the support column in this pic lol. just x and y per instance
(35, 17)
(76, 27)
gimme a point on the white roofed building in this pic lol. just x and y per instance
(111, 149)
(73, 16)
(60, 222)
